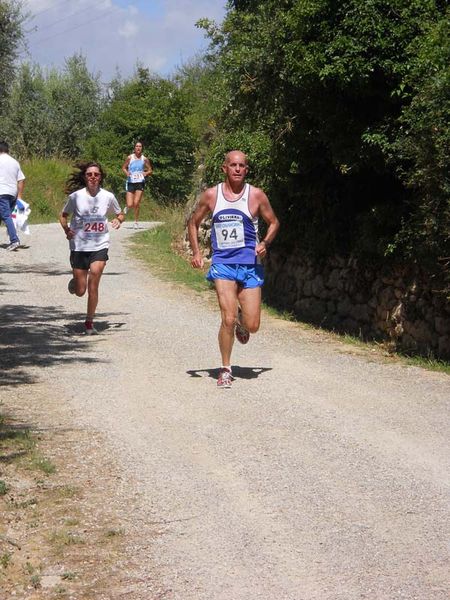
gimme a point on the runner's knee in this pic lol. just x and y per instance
(252, 326)
(229, 321)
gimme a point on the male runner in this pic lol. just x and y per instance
(236, 268)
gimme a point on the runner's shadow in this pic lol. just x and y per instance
(238, 372)
(76, 328)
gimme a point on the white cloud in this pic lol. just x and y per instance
(117, 33)
(128, 30)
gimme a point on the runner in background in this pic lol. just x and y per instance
(88, 234)
(236, 268)
(136, 167)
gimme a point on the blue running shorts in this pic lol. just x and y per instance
(247, 276)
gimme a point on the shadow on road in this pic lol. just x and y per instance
(238, 372)
(31, 337)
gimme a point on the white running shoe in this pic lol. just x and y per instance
(13, 246)
(125, 210)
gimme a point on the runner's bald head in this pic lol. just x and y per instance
(235, 156)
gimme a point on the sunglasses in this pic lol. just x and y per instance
(93, 174)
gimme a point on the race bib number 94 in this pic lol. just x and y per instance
(229, 235)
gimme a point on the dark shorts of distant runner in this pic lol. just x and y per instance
(83, 260)
(134, 187)
(246, 276)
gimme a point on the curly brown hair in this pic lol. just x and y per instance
(77, 179)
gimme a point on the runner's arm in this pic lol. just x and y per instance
(125, 166)
(267, 213)
(202, 209)
(118, 220)
(148, 169)
(120, 216)
(65, 225)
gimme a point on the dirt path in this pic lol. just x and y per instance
(319, 475)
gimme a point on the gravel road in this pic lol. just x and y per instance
(321, 474)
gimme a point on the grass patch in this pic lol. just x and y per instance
(432, 364)
(39, 463)
(157, 248)
(62, 539)
(113, 533)
(35, 581)
(44, 188)
(5, 560)
(67, 491)
(68, 576)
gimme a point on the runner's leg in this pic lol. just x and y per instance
(137, 203)
(95, 273)
(250, 302)
(80, 278)
(129, 199)
(227, 296)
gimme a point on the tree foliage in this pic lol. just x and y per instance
(52, 113)
(339, 94)
(150, 109)
(11, 35)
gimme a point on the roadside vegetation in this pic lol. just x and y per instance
(53, 520)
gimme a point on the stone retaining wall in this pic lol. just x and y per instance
(401, 304)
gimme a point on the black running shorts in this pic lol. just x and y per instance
(133, 187)
(83, 260)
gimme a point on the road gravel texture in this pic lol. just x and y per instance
(320, 475)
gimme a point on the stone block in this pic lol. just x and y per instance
(344, 307)
(442, 326)
(307, 288)
(317, 286)
(444, 346)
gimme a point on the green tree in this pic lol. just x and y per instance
(328, 84)
(422, 148)
(52, 113)
(150, 109)
(11, 35)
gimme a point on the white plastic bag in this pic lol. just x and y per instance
(20, 216)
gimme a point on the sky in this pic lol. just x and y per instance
(116, 34)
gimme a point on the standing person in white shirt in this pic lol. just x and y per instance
(12, 182)
(88, 234)
(136, 167)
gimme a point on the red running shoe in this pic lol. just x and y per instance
(225, 378)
